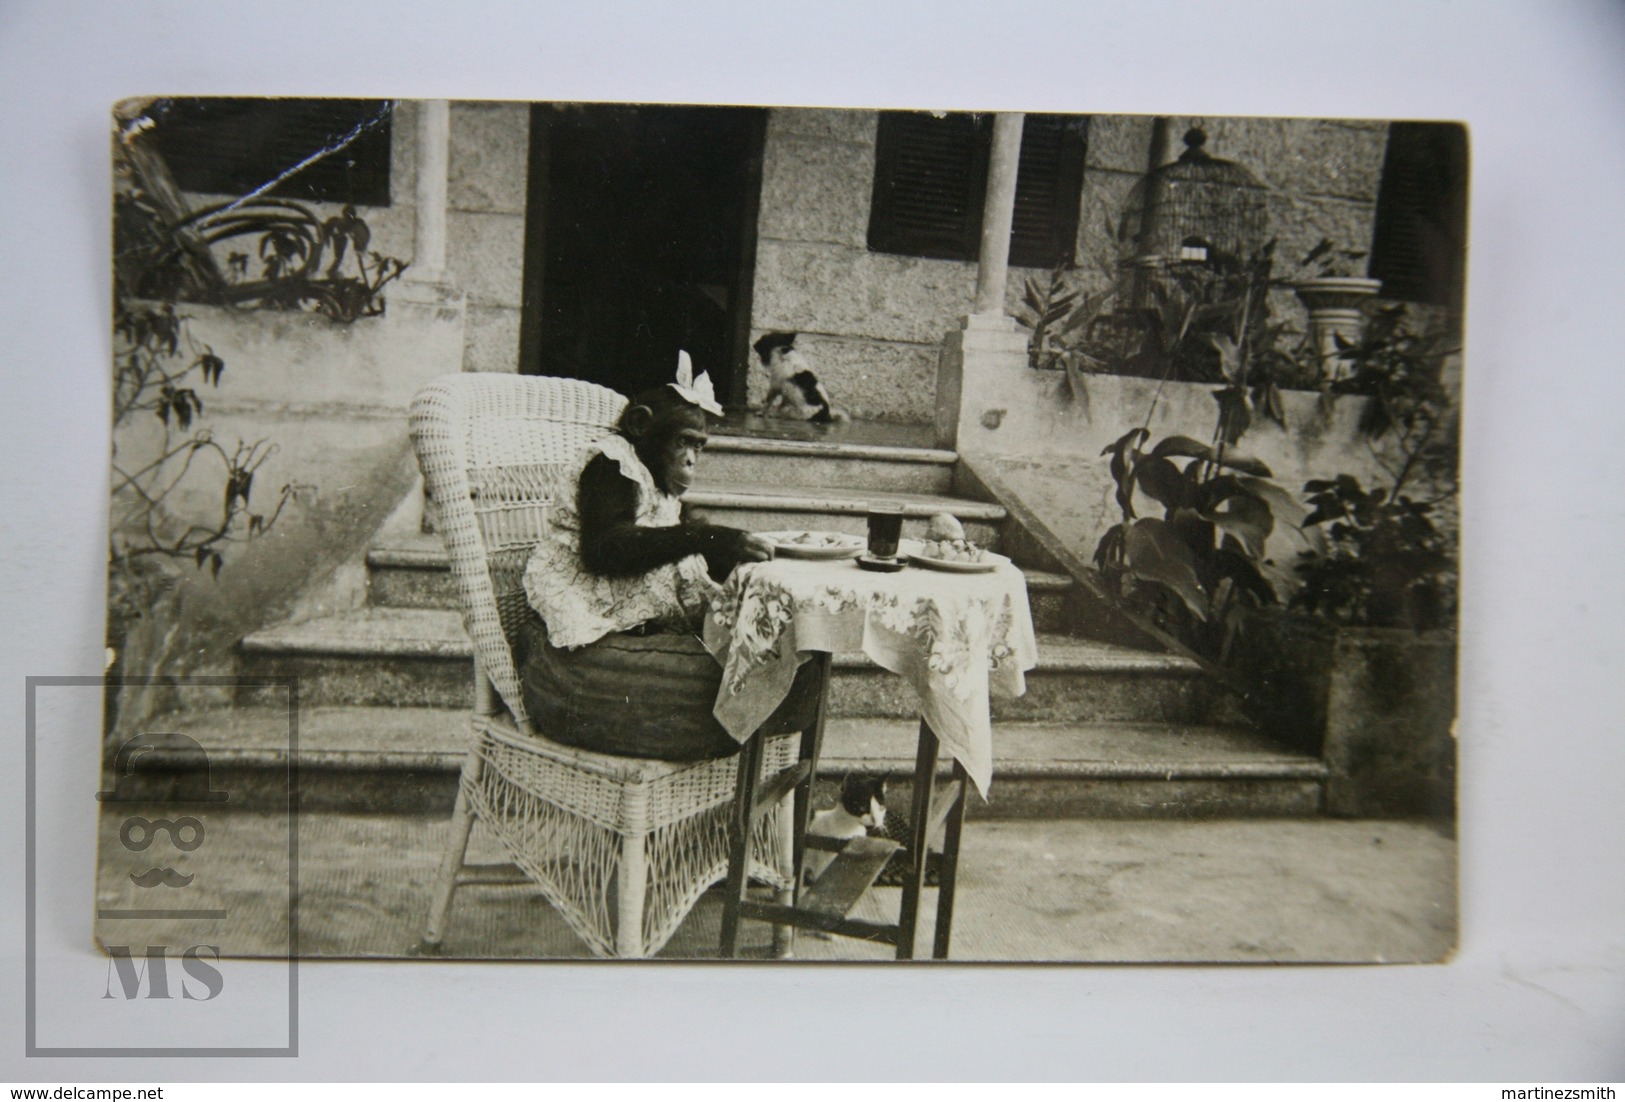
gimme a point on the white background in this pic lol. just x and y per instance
(1537, 991)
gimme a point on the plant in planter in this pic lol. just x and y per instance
(169, 253)
(1201, 322)
(1336, 298)
(1198, 570)
(1366, 678)
(1365, 674)
(1411, 425)
(1386, 564)
(1064, 323)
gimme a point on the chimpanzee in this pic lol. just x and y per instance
(623, 558)
(621, 582)
(667, 433)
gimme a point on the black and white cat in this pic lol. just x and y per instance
(790, 386)
(862, 810)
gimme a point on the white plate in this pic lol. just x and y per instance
(990, 562)
(850, 548)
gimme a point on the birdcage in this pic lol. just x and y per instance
(1199, 209)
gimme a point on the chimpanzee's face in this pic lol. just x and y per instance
(676, 440)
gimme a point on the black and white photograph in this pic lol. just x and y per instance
(831, 542)
(783, 533)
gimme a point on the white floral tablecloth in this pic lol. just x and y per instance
(954, 637)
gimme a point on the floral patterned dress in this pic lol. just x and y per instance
(580, 607)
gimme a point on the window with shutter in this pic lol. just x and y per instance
(931, 180)
(233, 146)
(1419, 244)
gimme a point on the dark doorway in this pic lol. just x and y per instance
(641, 240)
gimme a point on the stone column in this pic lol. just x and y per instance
(434, 142)
(430, 311)
(988, 351)
(998, 212)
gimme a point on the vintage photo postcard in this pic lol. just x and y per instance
(589, 530)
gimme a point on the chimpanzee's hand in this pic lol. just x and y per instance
(754, 548)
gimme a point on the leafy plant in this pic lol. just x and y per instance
(165, 252)
(159, 370)
(1330, 260)
(1058, 313)
(166, 457)
(1196, 568)
(1206, 322)
(1409, 417)
(290, 241)
(1387, 564)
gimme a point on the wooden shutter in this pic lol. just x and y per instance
(1419, 243)
(233, 146)
(930, 175)
(931, 180)
(1044, 231)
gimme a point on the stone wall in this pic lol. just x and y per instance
(872, 322)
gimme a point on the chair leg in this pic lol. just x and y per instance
(950, 866)
(925, 776)
(462, 825)
(631, 882)
(784, 937)
(741, 815)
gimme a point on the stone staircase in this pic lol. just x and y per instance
(1104, 729)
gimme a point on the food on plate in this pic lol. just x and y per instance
(816, 539)
(944, 527)
(952, 550)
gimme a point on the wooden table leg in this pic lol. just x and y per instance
(950, 864)
(925, 776)
(812, 744)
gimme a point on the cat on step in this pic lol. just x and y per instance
(791, 388)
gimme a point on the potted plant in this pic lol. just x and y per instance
(1361, 666)
(1336, 299)
(1207, 322)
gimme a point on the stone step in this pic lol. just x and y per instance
(385, 759)
(766, 508)
(413, 573)
(732, 460)
(421, 658)
(1100, 770)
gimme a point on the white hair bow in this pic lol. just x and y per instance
(699, 391)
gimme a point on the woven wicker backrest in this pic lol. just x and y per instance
(495, 450)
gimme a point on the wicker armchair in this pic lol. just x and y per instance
(621, 847)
